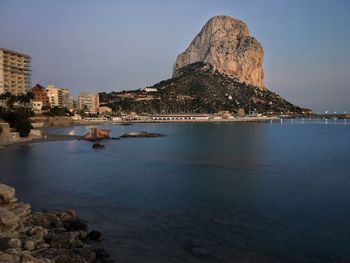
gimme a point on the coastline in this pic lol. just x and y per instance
(49, 138)
(61, 122)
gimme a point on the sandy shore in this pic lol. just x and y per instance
(47, 137)
(58, 122)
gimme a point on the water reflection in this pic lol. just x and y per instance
(233, 187)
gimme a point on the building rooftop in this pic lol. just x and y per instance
(15, 52)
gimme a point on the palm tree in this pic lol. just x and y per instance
(2, 98)
(9, 99)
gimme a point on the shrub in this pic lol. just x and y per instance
(57, 111)
(18, 121)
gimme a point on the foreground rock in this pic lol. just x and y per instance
(141, 134)
(224, 42)
(44, 236)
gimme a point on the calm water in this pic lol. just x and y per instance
(238, 190)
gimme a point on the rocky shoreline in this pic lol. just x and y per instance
(44, 237)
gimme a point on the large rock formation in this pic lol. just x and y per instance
(225, 43)
(221, 70)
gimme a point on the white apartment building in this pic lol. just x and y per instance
(59, 97)
(88, 102)
(15, 72)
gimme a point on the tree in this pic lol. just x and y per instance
(9, 98)
(45, 107)
(57, 111)
(2, 98)
(24, 99)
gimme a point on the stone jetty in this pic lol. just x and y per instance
(44, 237)
(141, 134)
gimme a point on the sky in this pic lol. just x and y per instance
(120, 45)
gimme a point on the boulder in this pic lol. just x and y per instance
(7, 218)
(96, 134)
(68, 215)
(4, 243)
(75, 243)
(22, 210)
(29, 245)
(7, 194)
(87, 253)
(95, 235)
(15, 243)
(7, 258)
(103, 255)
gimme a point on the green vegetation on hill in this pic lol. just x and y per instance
(199, 89)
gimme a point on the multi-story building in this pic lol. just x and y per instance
(88, 102)
(53, 94)
(40, 94)
(59, 97)
(15, 72)
(67, 100)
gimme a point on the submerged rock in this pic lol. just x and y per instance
(103, 255)
(197, 248)
(98, 146)
(95, 235)
(199, 252)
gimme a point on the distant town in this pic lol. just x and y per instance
(15, 82)
(25, 108)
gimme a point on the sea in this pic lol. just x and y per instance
(206, 192)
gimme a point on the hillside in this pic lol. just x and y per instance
(200, 89)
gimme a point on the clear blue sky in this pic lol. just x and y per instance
(114, 45)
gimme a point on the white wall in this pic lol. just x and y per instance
(1, 72)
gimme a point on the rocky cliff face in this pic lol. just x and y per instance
(225, 43)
